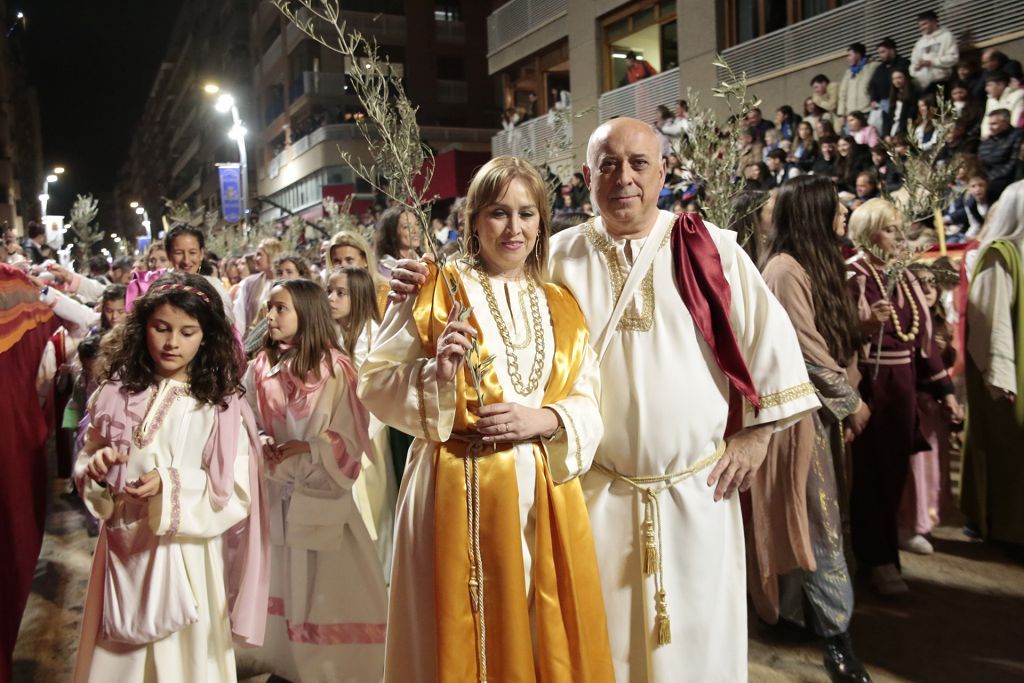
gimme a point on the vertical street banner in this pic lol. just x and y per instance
(230, 191)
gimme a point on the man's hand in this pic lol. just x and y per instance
(406, 278)
(744, 453)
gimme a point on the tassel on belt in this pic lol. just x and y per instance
(652, 558)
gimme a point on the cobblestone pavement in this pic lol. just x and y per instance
(962, 621)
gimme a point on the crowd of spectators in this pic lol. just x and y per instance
(881, 111)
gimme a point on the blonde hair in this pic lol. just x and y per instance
(272, 248)
(489, 184)
(869, 219)
(362, 294)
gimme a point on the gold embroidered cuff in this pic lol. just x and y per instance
(786, 395)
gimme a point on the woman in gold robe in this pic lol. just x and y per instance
(494, 574)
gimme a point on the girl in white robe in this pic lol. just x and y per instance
(328, 603)
(171, 467)
(351, 293)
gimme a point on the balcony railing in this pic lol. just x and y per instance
(515, 19)
(538, 140)
(323, 83)
(820, 37)
(436, 136)
(640, 100)
(449, 31)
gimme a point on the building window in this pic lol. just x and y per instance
(646, 29)
(749, 19)
(447, 11)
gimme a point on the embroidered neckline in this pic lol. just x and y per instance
(608, 251)
(144, 437)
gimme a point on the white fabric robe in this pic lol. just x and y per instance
(328, 602)
(388, 386)
(376, 489)
(203, 651)
(665, 405)
(990, 343)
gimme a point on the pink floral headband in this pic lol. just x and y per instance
(183, 288)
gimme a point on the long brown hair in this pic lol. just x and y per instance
(316, 335)
(805, 212)
(487, 187)
(363, 296)
(213, 375)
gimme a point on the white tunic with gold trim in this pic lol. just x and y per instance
(665, 404)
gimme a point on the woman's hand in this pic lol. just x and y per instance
(291, 448)
(514, 422)
(269, 448)
(856, 422)
(453, 345)
(101, 461)
(149, 485)
(954, 411)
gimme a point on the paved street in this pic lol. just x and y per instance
(963, 620)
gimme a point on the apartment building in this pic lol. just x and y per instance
(21, 146)
(542, 47)
(305, 109)
(180, 137)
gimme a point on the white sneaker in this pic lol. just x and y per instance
(916, 544)
(886, 580)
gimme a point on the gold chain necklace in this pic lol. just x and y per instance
(538, 333)
(915, 325)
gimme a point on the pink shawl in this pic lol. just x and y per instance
(282, 392)
(116, 413)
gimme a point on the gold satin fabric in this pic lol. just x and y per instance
(571, 634)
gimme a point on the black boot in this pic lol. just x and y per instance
(841, 663)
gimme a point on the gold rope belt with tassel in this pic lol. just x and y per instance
(652, 558)
(475, 448)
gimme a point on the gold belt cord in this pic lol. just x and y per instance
(652, 558)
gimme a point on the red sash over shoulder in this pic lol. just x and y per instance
(697, 267)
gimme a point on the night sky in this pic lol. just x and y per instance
(93, 63)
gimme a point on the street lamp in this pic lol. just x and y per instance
(51, 177)
(141, 211)
(226, 103)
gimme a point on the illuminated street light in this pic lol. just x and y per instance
(44, 197)
(134, 205)
(139, 210)
(224, 103)
(52, 178)
(58, 169)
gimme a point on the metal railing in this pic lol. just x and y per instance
(640, 100)
(323, 83)
(869, 21)
(436, 136)
(537, 140)
(515, 19)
